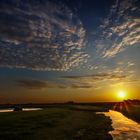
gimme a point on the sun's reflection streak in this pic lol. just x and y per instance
(121, 106)
(126, 106)
(115, 106)
(124, 128)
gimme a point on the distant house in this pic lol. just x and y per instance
(70, 102)
(17, 108)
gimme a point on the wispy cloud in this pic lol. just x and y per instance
(33, 84)
(75, 82)
(100, 76)
(92, 81)
(43, 36)
(120, 29)
(38, 84)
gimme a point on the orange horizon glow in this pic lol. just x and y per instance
(79, 95)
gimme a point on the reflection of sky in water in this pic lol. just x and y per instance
(6, 110)
(24, 109)
(125, 129)
(31, 109)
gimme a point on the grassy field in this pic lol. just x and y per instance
(65, 123)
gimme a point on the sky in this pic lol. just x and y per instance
(69, 50)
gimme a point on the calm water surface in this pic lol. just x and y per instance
(124, 128)
(24, 109)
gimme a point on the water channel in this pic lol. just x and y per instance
(124, 128)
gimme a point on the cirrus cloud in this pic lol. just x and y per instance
(120, 29)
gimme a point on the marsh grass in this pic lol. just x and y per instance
(68, 123)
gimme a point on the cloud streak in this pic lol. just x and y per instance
(96, 77)
(38, 84)
(93, 81)
(71, 82)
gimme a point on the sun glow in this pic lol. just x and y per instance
(121, 94)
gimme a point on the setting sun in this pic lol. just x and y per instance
(121, 94)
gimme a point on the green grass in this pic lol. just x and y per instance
(55, 124)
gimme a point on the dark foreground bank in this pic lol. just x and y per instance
(129, 108)
(55, 124)
(133, 112)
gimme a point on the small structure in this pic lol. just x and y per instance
(17, 108)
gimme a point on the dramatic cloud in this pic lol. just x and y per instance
(40, 35)
(120, 29)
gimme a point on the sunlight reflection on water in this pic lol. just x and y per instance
(124, 128)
